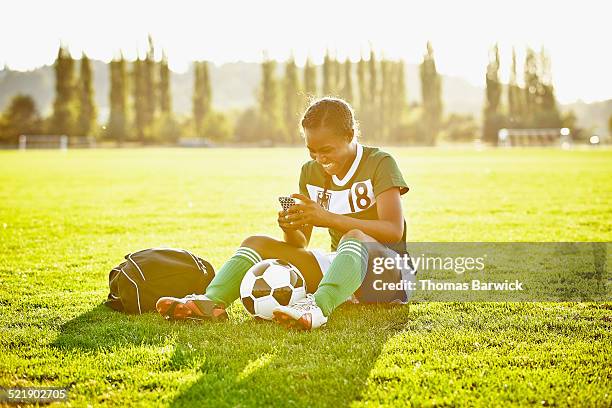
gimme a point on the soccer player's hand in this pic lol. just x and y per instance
(284, 222)
(307, 213)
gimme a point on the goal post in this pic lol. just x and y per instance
(62, 142)
(43, 142)
(534, 137)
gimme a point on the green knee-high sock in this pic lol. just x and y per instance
(344, 276)
(225, 286)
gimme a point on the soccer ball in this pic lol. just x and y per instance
(269, 284)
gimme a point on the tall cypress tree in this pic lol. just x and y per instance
(327, 74)
(401, 88)
(362, 85)
(398, 99)
(269, 101)
(167, 128)
(310, 79)
(515, 97)
(139, 99)
(347, 88)
(117, 122)
(373, 82)
(492, 118)
(165, 95)
(202, 96)
(532, 85)
(384, 99)
(65, 104)
(549, 115)
(431, 90)
(206, 88)
(492, 80)
(291, 103)
(370, 106)
(87, 109)
(336, 75)
(149, 90)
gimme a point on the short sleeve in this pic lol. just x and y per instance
(388, 175)
(303, 178)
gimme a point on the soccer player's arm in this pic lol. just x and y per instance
(388, 185)
(299, 237)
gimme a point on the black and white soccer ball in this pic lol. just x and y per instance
(269, 284)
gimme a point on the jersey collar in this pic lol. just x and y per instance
(351, 172)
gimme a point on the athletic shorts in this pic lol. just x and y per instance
(375, 286)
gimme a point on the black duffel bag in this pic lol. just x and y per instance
(147, 275)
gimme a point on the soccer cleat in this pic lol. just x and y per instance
(192, 307)
(303, 314)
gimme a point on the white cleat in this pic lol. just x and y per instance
(303, 314)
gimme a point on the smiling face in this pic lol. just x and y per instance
(334, 152)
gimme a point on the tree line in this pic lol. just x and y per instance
(141, 103)
(531, 106)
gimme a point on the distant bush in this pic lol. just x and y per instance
(459, 128)
(20, 117)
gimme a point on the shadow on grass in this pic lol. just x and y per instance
(245, 362)
(261, 364)
(102, 328)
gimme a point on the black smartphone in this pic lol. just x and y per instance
(286, 202)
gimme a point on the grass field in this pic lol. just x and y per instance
(66, 218)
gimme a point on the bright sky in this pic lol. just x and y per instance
(576, 33)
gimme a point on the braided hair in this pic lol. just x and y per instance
(332, 113)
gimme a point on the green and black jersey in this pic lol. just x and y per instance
(372, 172)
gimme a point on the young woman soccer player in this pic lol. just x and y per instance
(352, 190)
